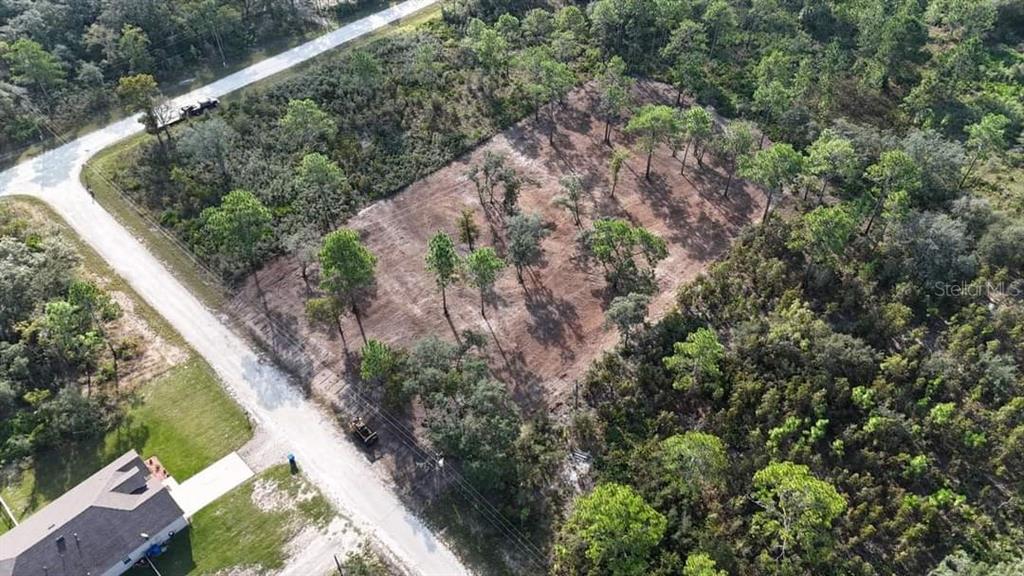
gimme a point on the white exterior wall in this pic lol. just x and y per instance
(159, 538)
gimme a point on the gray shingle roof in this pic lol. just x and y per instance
(93, 526)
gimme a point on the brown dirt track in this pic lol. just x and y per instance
(544, 335)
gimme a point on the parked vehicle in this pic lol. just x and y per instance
(199, 108)
(191, 111)
(364, 433)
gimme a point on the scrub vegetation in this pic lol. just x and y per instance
(840, 394)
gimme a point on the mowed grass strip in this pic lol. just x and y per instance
(183, 417)
(245, 528)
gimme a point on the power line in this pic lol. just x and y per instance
(490, 513)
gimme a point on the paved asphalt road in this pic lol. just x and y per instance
(327, 457)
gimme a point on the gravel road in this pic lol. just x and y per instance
(328, 458)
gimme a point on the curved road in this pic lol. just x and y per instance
(329, 459)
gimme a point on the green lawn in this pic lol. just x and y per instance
(234, 531)
(186, 419)
(183, 417)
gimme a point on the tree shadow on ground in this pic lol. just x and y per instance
(60, 469)
(512, 368)
(553, 319)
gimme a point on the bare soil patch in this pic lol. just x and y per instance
(544, 335)
(156, 354)
(152, 354)
(268, 496)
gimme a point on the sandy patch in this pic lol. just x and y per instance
(155, 355)
(268, 496)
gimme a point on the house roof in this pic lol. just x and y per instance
(93, 526)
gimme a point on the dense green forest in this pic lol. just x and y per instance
(58, 361)
(60, 59)
(841, 395)
(885, 363)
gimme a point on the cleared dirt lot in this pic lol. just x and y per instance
(545, 334)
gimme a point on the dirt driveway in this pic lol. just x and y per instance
(545, 334)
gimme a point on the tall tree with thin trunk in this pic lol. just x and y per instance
(237, 229)
(482, 267)
(721, 22)
(133, 50)
(525, 232)
(628, 313)
(615, 89)
(736, 142)
(696, 362)
(696, 124)
(98, 308)
(615, 164)
(653, 125)
(831, 156)
(629, 254)
(894, 172)
(443, 262)
(324, 194)
(546, 80)
(611, 530)
(771, 99)
(687, 51)
(486, 175)
(570, 199)
(139, 93)
(489, 50)
(32, 66)
(305, 126)
(468, 229)
(774, 168)
(378, 362)
(346, 269)
(795, 510)
(985, 137)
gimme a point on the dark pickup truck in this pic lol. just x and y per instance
(199, 108)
